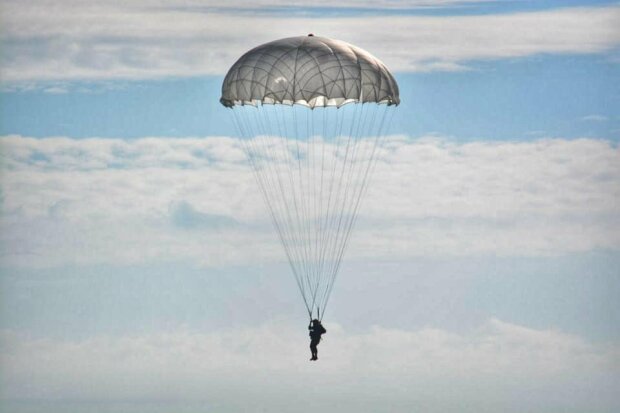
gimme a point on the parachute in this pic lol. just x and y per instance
(311, 112)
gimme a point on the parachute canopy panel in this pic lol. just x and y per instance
(311, 71)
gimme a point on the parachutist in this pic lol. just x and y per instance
(316, 331)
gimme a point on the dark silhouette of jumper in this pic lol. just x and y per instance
(316, 331)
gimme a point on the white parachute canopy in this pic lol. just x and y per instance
(311, 112)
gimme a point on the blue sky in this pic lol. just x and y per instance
(139, 270)
(529, 98)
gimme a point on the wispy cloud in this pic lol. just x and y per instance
(45, 40)
(594, 118)
(56, 90)
(184, 215)
(292, 6)
(94, 200)
(241, 369)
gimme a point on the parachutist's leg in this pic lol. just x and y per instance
(313, 349)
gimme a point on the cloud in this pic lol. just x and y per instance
(55, 90)
(299, 7)
(184, 215)
(85, 201)
(389, 4)
(496, 365)
(146, 39)
(594, 118)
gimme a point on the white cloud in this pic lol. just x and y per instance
(541, 197)
(595, 118)
(70, 201)
(45, 40)
(496, 365)
(372, 4)
(303, 7)
(55, 90)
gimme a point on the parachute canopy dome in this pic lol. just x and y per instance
(311, 71)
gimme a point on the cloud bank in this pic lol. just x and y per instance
(499, 364)
(86, 201)
(45, 40)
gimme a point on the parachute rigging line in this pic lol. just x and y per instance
(311, 113)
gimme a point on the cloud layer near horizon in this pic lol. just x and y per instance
(86, 201)
(44, 40)
(497, 364)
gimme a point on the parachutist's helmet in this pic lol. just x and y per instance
(315, 321)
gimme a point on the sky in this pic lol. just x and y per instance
(139, 270)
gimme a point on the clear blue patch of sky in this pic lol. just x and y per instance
(520, 99)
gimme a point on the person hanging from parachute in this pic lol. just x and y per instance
(316, 331)
(311, 112)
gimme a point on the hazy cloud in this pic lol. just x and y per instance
(184, 215)
(594, 118)
(100, 200)
(374, 4)
(45, 40)
(495, 365)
